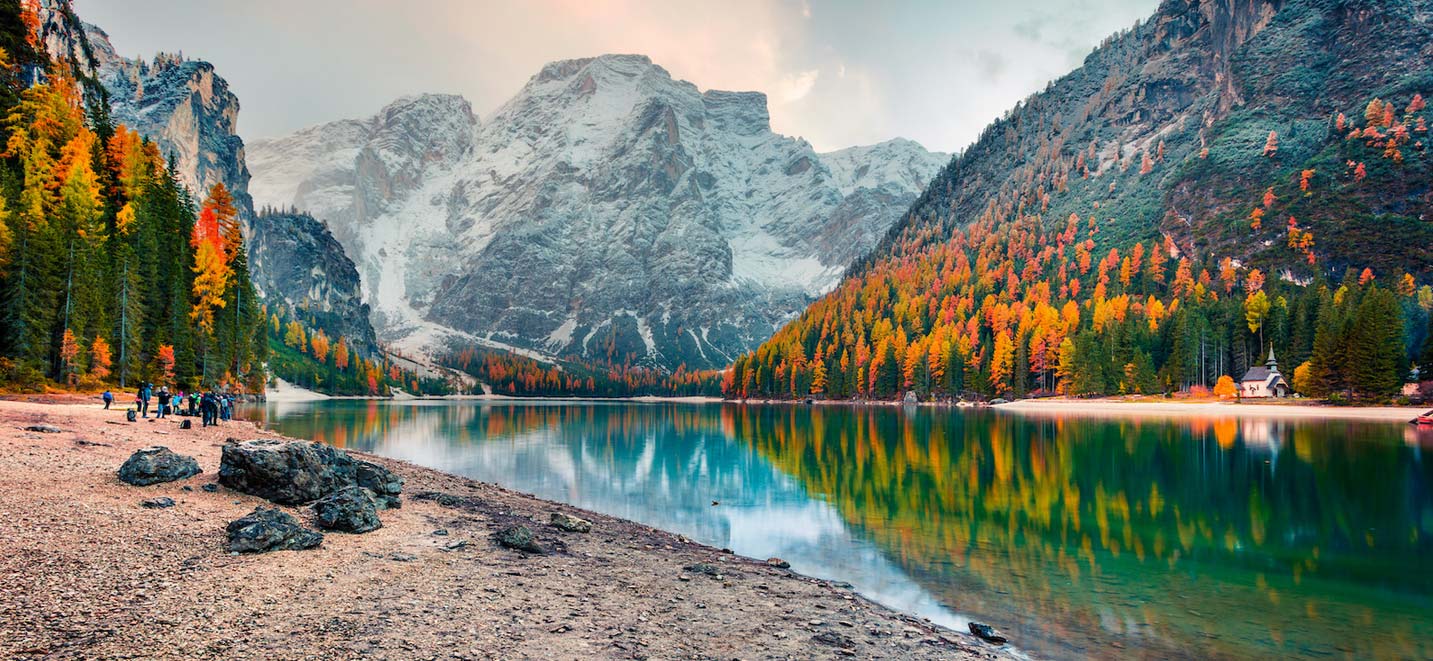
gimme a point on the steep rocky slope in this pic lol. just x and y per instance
(607, 211)
(1164, 131)
(302, 263)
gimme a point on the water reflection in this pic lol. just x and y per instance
(1080, 536)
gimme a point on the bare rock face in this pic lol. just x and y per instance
(269, 529)
(300, 262)
(156, 465)
(605, 205)
(285, 472)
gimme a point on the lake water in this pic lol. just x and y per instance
(1077, 536)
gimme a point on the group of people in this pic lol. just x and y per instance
(210, 405)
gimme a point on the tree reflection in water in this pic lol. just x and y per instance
(1081, 536)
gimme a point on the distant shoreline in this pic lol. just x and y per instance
(1105, 407)
(1168, 408)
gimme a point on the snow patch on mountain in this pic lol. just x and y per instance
(606, 210)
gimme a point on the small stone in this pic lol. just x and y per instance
(209, 488)
(403, 557)
(454, 546)
(157, 503)
(987, 633)
(778, 563)
(833, 639)
(44, 429)
(520, 538)
(441, 532)
(705, 568)
(570, 523)
(186, 488)
(155, 465)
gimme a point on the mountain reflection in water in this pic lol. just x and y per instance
(1078, 536)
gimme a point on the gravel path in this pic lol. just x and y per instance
(86, 572)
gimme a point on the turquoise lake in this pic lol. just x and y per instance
(1076, 536)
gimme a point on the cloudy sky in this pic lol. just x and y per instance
(837, 73)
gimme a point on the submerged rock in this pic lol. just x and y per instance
(286, 472)
(385, 484)
(987, 633)
(351, 509)
(155, 465)
(269, 529)
(570, 523)
(520, 538)
(157, 503)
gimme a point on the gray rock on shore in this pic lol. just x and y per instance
(385, 484)
(520, 538)
(155, 465)
(157, 503)
(285, 472)
(351, 509)
(269, 529)
(987, 633)
(570, 523)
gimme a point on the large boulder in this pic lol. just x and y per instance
(155, 465)
(384, 483)
(286, 472)
(269, 529)
(351, 509)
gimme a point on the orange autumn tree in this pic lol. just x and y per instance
(211, 271)
(164, 357)
(1224, 388)
(100, 360)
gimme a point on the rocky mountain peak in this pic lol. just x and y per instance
(742, 113)
(607, 210)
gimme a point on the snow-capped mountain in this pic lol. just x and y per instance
(606, 211)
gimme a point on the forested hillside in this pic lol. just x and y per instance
(113, 272)
(108, 272)
(1220, 179)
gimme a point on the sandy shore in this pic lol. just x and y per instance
(283, 391)
(85, 572)
(1106, 407)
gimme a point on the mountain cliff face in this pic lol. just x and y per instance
(184, 107)
(607, 211)
(190, 113)
(303, 263)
